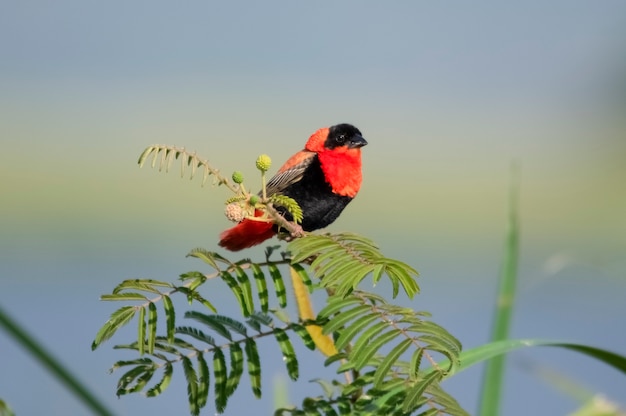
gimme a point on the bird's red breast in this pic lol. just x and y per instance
(342, 170)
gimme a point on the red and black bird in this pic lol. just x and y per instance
(322, 178)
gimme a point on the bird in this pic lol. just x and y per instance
(322, 178)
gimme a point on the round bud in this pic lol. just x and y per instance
(237, 177)
(254, 199)
(263, 163)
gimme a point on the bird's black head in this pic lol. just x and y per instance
(344, 135)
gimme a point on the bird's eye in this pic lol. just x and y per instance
(341, 139)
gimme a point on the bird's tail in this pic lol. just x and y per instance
(246, 234)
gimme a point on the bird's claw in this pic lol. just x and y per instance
(295, 231)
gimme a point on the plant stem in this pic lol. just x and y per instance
(494, 370)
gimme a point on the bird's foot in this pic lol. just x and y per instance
(295, 231)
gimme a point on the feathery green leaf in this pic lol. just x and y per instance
(415, 392)
(196, 333)
(141, 331)
(289, 355)
(236, 368)
(220, 376)
(152, 326)
(304, 334)
(163, 384)
(237, 291)
(340, 320)
(349, 332)
(147, 285)
(170, 318)
(261, 286)
(246, 288)
(204, 380)
(389, 361)
(279, 284)
(118, 319)
(124, 297)
(372, 347)
(303, 275)
(209, 321)
(254, 366)
(192, 385)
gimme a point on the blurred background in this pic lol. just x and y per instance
(447, 97)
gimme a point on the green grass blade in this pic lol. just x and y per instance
(488, 351)
(38, 352)
(492, 383)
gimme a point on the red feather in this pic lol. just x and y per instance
(246, 234)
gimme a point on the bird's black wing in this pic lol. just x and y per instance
(291, 172)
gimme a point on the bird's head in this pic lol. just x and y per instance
(340, 136)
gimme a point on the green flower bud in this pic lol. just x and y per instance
(263, 163)
(237, 177)
(254, 199)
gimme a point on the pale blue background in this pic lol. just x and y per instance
(447, 94)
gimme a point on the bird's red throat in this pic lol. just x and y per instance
(342, 169)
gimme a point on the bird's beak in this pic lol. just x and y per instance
(356, 142)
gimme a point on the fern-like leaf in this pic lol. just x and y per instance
(290, 205)
(246, 309)
(261, 286)
(303, 275)
(220, 376)
(236, 369)
(141, 331)
(168, 153)
(118, 319)
(170, 318)
(246, 289)
(254, 366)
(289, 355)
(204, 380)
(231, 323)
(416, 392)
(390, 359)
(348, 333)
(279, 284)
(196, 333)
(135, 379)
(146, 285)
(342, 261)
(212, 323)
(209, 257)
(192, 385)
(151, 328)
(164, 383)
(194, 295)
(124, 297)
(304, 334)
